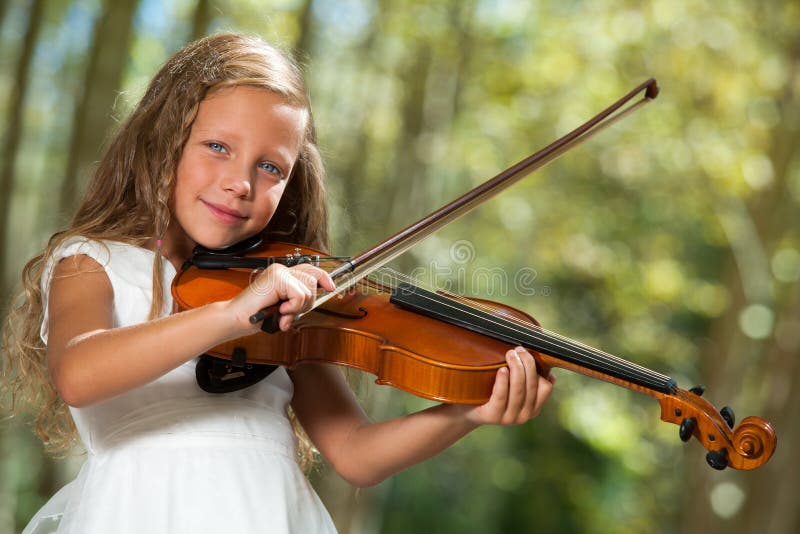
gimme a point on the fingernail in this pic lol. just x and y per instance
(519, 350)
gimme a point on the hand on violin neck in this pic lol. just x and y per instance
(518, 395)
(292, 289)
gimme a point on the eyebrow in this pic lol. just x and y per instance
(272, 154)
(214, 132)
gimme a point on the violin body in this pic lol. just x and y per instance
(364, 330)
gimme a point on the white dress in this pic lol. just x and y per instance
(168, 457)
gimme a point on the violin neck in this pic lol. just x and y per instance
(466, 315)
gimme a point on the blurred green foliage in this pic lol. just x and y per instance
(671, 239)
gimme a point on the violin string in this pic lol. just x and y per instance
(570, 343)
(589, 354)
(466, 301)
(531, 329)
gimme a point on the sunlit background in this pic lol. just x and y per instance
(671, 240)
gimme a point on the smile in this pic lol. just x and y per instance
(224, 214)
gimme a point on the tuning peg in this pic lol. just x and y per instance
(698, 390)
(687, 428)
(727, 413)
(717, 459)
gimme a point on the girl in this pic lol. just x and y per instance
(221, 148)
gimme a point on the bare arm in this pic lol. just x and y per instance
(365, 453)
(90, 361)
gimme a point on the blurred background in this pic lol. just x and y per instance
(671, 239)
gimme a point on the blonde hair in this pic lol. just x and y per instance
(128, 195)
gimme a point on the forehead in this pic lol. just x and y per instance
(251, 112)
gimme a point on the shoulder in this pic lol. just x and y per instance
(104, 252)
(127, 265)
(74, 256)
(80, 299)
(79, 245)
(79, 279)
(77, 274)
(78, 265)
(82, 273)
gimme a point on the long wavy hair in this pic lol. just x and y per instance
(127, 200)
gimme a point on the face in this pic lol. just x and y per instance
(234, 168)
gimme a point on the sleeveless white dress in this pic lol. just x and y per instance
(168, 457)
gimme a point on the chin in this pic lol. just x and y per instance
(214, 242)
(221, 242)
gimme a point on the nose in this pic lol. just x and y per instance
(238, 184)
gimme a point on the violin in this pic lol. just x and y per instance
(433, 343)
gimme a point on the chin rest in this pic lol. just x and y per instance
(216, 375)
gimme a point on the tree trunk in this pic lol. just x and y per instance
(16, 104)
(93, 115)
(201, 19)
(353, 170)
(407, 182)
(3, 10)
(302, 46)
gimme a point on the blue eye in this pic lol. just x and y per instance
(216, 147)
(270, 168)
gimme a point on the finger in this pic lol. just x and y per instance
(327, 282)
(285, 322)
(320, 278)
(544, 391)
(516, 388)
(307, 287)
(290, 289)
(313, 278)
(531, 385)
(308, 277)
(268, 281)
(496, 405)
(297, 297)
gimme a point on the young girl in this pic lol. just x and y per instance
(221, 148)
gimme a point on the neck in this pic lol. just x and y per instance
(465, 314)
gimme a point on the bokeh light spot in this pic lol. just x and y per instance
(756, 321)
(726, 499)
(786, 265)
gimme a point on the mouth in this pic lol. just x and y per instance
(224, 213)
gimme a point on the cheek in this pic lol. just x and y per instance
(182, 174)
(270, 200)
(191, 177)
(187, 172)
(179, 193)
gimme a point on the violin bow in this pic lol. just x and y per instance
(357, 268)
(351, 272)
